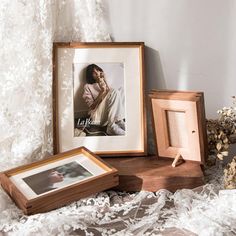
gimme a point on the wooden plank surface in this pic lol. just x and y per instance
(152, 174)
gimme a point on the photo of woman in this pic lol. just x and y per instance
(105, 103)
(55, 178)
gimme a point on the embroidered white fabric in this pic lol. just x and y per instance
(27, 30)
(185, 212)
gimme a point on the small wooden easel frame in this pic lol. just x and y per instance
(179, 125)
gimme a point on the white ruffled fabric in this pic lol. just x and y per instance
(27, 31)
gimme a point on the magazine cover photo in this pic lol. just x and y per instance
(99, 100)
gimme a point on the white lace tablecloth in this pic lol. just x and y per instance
(186, 212)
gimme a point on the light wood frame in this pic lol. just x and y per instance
(179, 124)
(64, 195)
(135, 110)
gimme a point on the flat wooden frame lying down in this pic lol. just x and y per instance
(59, 180)
(179, 124)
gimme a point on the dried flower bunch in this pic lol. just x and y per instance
(221, 132)
(230, 175)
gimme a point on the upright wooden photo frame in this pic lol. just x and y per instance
(179, 124)
(76, 122)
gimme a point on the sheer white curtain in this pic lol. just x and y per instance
(27, 31)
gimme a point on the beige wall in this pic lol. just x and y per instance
(190, 44)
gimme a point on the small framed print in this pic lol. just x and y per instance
(99, 98)
(59, 180)
(179, 124)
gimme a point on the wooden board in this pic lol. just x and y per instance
(152, 174)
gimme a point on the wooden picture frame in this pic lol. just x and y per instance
(58, 180)
(179, 124)
(82, 110)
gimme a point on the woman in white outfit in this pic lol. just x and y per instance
(105, 104)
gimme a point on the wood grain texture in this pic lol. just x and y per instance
(143, 97)
(176, 95)
(97, 44)
(13, 191)
(152, 174)
(54, 99)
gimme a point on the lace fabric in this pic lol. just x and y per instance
(28, 30)
(186, 212)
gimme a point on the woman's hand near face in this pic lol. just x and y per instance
(102, 94)
(103, 85)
